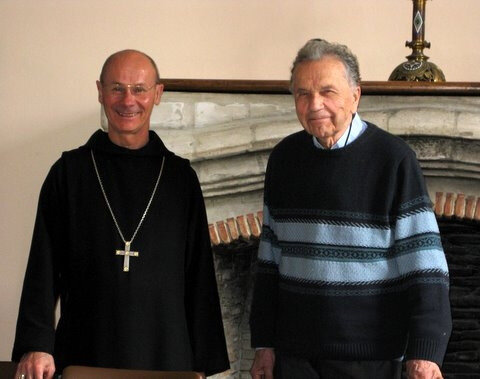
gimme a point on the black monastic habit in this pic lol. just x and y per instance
(163, 314)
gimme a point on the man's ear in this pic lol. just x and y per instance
(158, 93)
(100, 93)
(357, 92)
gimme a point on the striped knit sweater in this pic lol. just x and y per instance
(350, 264)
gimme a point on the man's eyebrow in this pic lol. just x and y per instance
(128, 84)
(328, 87)
(323, 88)
(301, 89)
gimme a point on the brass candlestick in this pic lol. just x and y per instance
(417, 68)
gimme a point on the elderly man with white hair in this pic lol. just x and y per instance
(351, 276)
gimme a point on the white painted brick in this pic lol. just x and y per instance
(181, 142)
(208, 113)
(264, 109)
(378, 118)
(269, 134)
(220, 171)
(222, 142)
(422, 121)
(468, 125)
(172, 115)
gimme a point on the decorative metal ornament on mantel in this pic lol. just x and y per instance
(417, 68)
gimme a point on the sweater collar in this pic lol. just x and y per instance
(357, 127)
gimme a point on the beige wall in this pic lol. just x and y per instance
(51, 53)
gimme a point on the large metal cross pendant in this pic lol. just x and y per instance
(126, 256)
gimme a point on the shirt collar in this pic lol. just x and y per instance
(357, 128)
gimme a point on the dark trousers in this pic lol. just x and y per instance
(289, 367)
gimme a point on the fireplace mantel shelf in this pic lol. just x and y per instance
(384, 88)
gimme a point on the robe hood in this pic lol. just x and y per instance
(99, 141)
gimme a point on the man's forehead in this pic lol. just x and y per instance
(328, 71)
(129, 64)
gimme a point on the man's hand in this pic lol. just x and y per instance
(262, 367)
(418, 369)
(36, 365)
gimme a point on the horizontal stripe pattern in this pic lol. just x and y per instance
(330, 216)
(353, 253)
(416, 203)
(326, 234)
(349, 235)
(365, 289)
(356, 272)
(419, 223)
(269, 253)
(322, 252)
(266, 215)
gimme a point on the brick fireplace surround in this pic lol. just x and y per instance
(228, 128)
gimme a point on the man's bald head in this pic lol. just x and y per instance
(121, 53)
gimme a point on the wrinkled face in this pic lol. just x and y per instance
(128, 111)
(324, 99)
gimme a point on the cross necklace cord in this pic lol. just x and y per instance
(127, 253)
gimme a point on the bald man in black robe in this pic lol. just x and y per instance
(121, 238)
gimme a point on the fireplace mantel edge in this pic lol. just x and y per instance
(386, 88)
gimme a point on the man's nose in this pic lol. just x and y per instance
(316, 102)
(128, 96)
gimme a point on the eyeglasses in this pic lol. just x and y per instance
(120, 90)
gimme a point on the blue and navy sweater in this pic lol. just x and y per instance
(350, 264)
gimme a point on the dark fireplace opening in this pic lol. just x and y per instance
(461, 242)
(234, 263)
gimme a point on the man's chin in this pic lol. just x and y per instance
(321, 131)
(127, 123)
(126, 128)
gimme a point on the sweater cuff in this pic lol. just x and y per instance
(428, 350)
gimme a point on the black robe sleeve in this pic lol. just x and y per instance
(36, 319)
(201, 294)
